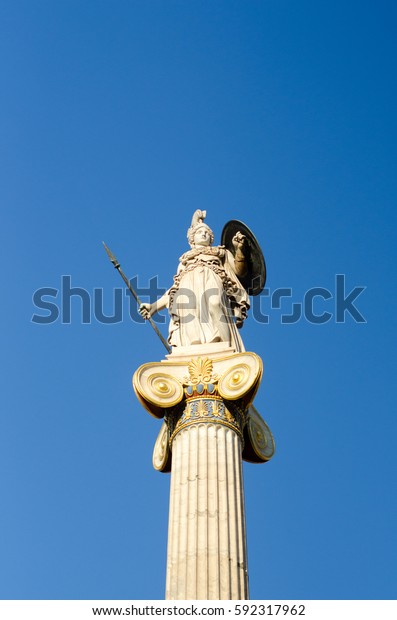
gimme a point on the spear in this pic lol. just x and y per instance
(116, 264)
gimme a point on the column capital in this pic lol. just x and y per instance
(160, 386)
(205, 390)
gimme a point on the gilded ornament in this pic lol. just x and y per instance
(240, 379)
(200, 371)
(156, 390)
(161, 452)
(260, 446)
(202, 408)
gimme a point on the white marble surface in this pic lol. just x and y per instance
(207, 558)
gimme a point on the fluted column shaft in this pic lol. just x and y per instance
(207, 556)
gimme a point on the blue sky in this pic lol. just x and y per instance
(118, 120)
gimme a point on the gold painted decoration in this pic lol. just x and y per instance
(164, 390)
(240, 379)
(200, 371)
(156, 390)
(208, 411)
(202, 381)
(161, 453)
(259, 442)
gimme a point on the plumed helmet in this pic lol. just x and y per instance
(198, 222)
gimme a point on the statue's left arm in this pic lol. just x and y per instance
(240, 261)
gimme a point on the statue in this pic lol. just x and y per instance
(207, 302)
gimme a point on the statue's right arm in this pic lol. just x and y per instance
(148, 310)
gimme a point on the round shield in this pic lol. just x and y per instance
(255, 278)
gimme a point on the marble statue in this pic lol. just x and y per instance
(207, 302)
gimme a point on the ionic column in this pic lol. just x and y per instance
(207, 556)
(209, 425)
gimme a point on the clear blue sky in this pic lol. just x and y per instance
(118, 120)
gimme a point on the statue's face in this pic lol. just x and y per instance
(202, 236)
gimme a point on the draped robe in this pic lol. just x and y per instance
(206, 298)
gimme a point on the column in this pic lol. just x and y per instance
(207, 556)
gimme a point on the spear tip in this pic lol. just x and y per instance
(112, 257)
